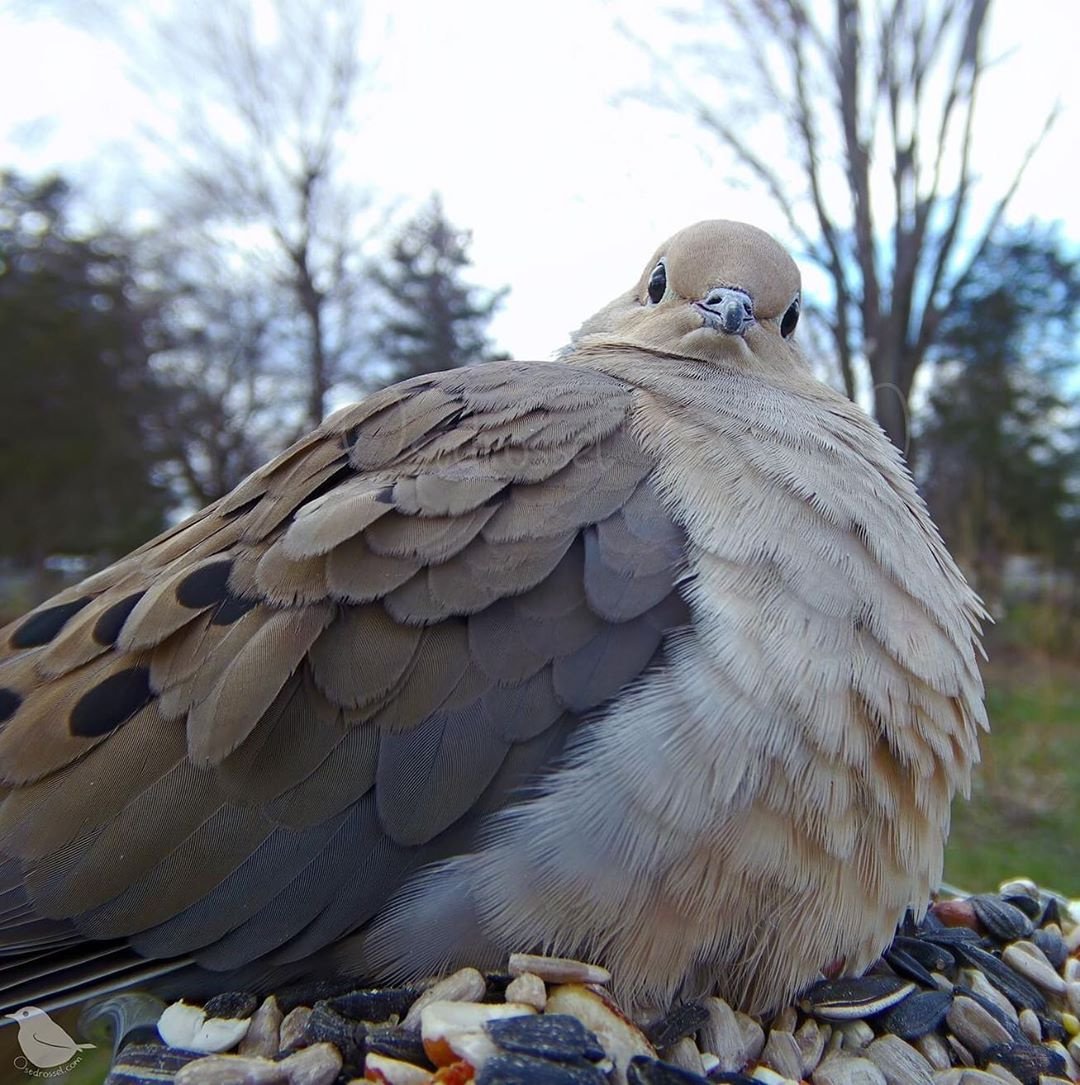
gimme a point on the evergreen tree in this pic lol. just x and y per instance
(998, 449)
(430, 317)
(76, 471)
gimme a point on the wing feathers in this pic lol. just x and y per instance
(247, 687)
(370, 641)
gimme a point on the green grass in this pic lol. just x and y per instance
(1024, 813)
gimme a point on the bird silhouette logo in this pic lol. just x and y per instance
(44, 1043)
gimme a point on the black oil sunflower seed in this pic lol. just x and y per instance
(645, 1071)
(1014, 987)
(932, 956)
(1003, 921)
(859, 996)
(903, 964)
(527, 1070)
(682, 1021)
(556, 1036)
(1027, 1061)
(916, 1015)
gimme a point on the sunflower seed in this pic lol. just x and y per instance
(1002, 1074)
(900, 1062)
(327, 1025)
(238, 1005)
(465, 985)
(810, 1040)
(917, 1015)
(682, 1021)
(231, 1070)
(1026, 1061)
(934, 1049)
(293, 1027)
(854, 1035)
(1008, 1020)
(148, 1063)
(528, 988)
(685, 1055)
(263, 1036)
(733, 1041)
(1001, 920)
(526, 1070)
(555, 1036)
(980, 986)
(857, 997)
(845, 1070)
(933, 957)
(374, 1005)
(1031, 1026)
(950, 937)
(782, 1053)
(394, 1042)
(974, 1025)
(907, 966)
(1052, 944)
(1030, 962)
(558, 969)
(961, 1075)
(1051, 1029)
(1021, 993)
(318, 1064)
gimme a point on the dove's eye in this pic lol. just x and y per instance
(657, 283)
(791, 318)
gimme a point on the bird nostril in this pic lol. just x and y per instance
(730, 299)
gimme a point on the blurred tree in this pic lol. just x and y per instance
(265, 97)
(999, 456)
(79, 465)
(857, 118)
(430, 318)
(228, 406)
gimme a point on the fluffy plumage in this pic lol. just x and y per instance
(651, 655)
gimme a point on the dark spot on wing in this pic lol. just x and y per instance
(232, 609)
(206, 586)
(111, 703)
(40, 628)
(9, 704)
(107, 627)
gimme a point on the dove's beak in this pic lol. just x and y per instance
(727, 309)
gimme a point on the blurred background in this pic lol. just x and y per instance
(219, 221)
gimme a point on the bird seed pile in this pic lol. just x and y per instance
(986, 989)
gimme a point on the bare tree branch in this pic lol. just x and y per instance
(888, 83)
(935, 311)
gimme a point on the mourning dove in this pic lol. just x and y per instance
(650, 655)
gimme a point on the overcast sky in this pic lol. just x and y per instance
(511, 110)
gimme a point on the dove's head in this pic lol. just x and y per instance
(717, 291)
